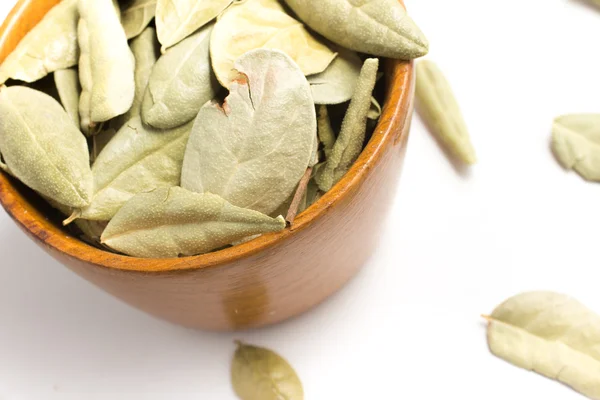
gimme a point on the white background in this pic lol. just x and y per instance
(457, 244)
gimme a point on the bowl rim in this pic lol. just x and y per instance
(391, 130)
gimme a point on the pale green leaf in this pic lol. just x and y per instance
(173, 222)
(253, 150)
(336, 84)
(576, 143)
(136, 15)
(67, 84)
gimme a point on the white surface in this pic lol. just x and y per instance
(408, 326)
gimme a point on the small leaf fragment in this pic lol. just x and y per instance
(136, 16)
(258, 373)
(173, 222)
(576, 143)
(440, 111)
(325, 131)
(350, 141)
(551, 334)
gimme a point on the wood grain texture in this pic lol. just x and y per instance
(265, 281)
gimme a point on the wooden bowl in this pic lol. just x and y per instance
(262, 282)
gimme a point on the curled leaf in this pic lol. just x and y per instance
(51, 45)
(253, 150)
(136, 15)
(43, 148)
(350, 141)
(146, 52)
(67, 84)
(181, 82)
(551, 334)
(325, 131)
(254, 24)
(138, 159)
(375, 110)
(106, 63)
(336, 84)
(261, 374)
(378, 27)
(173, 222)
(576, 143)
(177, 19)
(440, 110)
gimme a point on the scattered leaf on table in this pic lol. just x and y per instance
(136, 15)
(107, 65)
(67, 84)
(336, 84)
(576, 143)
(551, 334)
(440, 111)
(350, 141)
(43, 148)
(377, 27)
(253, 150)
(181, 82)
(178, 19)
(49, 46)
(138, 159)
(254, 24)
(261, 374)
(173, 222)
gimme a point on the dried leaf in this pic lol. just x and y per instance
(439, 108)
(576, 143)
(100, 141)
(136, 15)
(146, 52)
(67, 84)
(551, 334)
(181, 82)
(378, 27)
(177, 19)
(312, 195)
(173, 222)
(138, 159)
(254, 24)
(375, 110)
(106, 66)
(325, 131)
(253, 150)
(51, 45)
(261, 374)
(299, 197)
(350, 141)
(336, 84)
(43, 148)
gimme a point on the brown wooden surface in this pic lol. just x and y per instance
(265, 281)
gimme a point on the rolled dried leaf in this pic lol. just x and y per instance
(440, 110)
(181, 82)
(254, 24)
(326, 134)
(178, 19)
(67, 84)
(174, 222)
(138, 159)
(51, 45)
(43, 148)
(576, 143)
(254, 149)
(378, 27)
(146, 52)
(551, 334)
(350, 141)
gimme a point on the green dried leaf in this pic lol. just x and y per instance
(440, 110)
(576, 143)
(551, 334)
(67, 84)
(253, 150)
(138, 159)
(173, 222)
(254, 24)
(377, 27)
(312, 195)
(181, 82)
(146, 52)
(100, 141)
(261, 374)
(136, 15)
(336, 84)
(375, 110)
(106, 65)
(177, 19)
(43, 148)
(350, 141)
(326, 134)
(51, 45)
